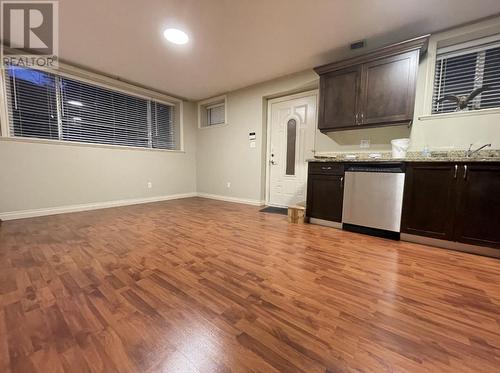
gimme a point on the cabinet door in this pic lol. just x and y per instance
(324, 197)
(478, 216)
(388, 89)
(339, 92)
(429, 200)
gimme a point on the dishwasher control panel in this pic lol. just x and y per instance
(376, 167)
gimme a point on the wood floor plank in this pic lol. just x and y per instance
(198, 285)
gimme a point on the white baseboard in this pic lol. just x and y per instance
(22, 214)
(252, 202)
(88, 206)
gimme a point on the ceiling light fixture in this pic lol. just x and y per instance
(175, 36)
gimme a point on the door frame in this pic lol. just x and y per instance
(312, 92)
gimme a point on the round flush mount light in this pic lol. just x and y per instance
(176, 36)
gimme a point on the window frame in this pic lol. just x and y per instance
(451, 41)
(480, 45)
(211, 103)
(71, 72)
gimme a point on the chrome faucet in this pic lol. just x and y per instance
(471, 152)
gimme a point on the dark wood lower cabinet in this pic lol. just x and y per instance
(429, 200)
(325, 191)
(478, 209)
(453, 201)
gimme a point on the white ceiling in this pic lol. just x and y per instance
(236, 43)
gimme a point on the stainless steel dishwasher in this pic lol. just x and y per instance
(373, 198)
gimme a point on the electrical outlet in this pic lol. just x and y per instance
(364, 144)
(228, 184)
(150, 184)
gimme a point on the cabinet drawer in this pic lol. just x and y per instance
(326, 168)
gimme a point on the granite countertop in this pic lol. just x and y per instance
(446, 156)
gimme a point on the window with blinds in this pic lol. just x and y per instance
(47, 106)
(216, 114)
(461, 72)
(32, 103)
(212, 112)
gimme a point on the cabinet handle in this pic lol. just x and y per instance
(326, 168)
(465, 172)
(357, 115)
(362, 117)
(342, 182)
(456, 171)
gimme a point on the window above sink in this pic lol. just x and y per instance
(467, 77)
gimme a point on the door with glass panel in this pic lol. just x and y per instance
(292, 125)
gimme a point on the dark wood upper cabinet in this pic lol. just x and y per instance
(375, 89)
(478, 214)
(339, 98)
(388, 91)
(429, 200)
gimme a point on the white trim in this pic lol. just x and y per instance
(181, 127)
(213, 126)
(35, 140)
(458, 114)
(293, 96)
(470, 46)
(211, 103)
(276, 205)
(313, 92)
(215, 105)
(245, 201)
(88, 206)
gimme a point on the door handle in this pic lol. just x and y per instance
(342, 182)
(456, 171)
(465, 172)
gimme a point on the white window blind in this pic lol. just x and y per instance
(43, 105)
(460, 72)
(32, 104)
(216, 114)
(162, 126)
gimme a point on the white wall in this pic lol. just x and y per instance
(40, 175)
(224, 155)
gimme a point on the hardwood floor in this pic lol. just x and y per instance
(198, 285)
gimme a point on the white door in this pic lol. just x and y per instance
(292, 126)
